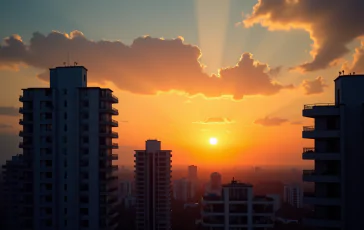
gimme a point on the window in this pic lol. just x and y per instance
(65, 163)
(85, 140)
(65, 91)
(84, 211)
(65, 223)
(65, 187)
(65, 116)
(65, 198)
(65, 139)
(65, 211)
(65, 128)
(64, 151)
(65, 175)
(65, 103)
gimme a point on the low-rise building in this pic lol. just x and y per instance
(238, 208)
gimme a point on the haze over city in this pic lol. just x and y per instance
(188, 71)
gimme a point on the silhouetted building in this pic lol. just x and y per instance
(153, 187)
(293, 195)
(183, 189)
(192, 173)
(214, 185)
(69, 180)
(338, 157)
(238, 208)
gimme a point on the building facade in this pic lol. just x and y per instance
(192, 173)
(153, 167)
(183, 189)
(69, 175)
(293, 195)
(338, 157)
(238, 208)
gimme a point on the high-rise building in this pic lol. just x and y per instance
(69, 179)
(214, 185)
(293, 195)
(338, 157)
(238, 208)
(192, 173)
(183, 189)
(153, 187)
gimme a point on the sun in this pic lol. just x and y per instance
(213, 140)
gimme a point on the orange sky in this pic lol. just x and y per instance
(241, 74)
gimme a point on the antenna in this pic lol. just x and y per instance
(343, 72)
(353, 73)
(340, 73)
(75, 63)
(64, 63)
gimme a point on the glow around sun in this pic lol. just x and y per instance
(213, 140)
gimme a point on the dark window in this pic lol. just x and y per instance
(65, 198)
(65, 103)
(65, 116)
(65, 210)
(65, 91)
(65, 187)
(65, 127)
(84, 211)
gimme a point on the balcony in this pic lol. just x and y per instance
(113, 123)
(311, 133)
(110, 97)
(312, 154)
(109, 134)
(321, 223)
(312, 176)
(25, 145)
(109, 110)
(24, 110)
(312, 199)
(317, 110)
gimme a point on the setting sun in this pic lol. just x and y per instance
(213, 141)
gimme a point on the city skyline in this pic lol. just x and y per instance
(186, 105)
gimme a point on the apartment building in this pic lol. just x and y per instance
(69, 179)
(153, 187)
(237, 208)
(293, 195)
(338, 136)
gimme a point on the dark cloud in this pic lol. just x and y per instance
(330, 30)
(5, 126)
(296, 123)
(274, 72)
(270, 121)
(147, 66)
(9, 111)
(357, 64)
(315, 86)
(215, 120)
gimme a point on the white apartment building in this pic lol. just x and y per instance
(68, 149)
(153, 167)
(183, 189)
(293, 195)
(338, 157)
(237, 208)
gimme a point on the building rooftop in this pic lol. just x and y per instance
(349, 75)
(235, 183)
(68, 67)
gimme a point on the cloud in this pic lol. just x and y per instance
(324, 20)
(148, 66)
(5, 126)
(270, 121)
(296, 123)
(274, 72)
(215, 120)
(9, 111)
(315, 86)
(357, 64)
